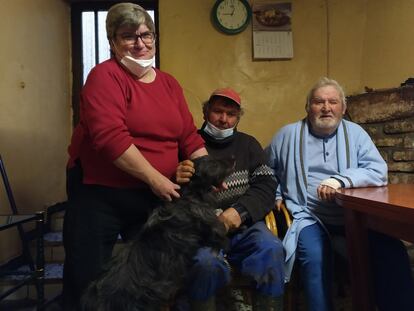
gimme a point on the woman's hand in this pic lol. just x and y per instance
(164, 188)
(134, 163)
(185, 170)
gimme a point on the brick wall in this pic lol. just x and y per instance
(388, 117)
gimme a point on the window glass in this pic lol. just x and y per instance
(102, 39)
(88, 42)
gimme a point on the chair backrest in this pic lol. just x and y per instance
(278, 221)
(7, 187)
(12, 203)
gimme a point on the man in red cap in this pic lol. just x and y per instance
(249, 196)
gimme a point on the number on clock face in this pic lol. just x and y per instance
(232, 14)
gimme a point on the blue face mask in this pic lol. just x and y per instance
(217, 133)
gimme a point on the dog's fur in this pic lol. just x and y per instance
(152, 268)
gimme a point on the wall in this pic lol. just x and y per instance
(34, 102)
(356, 42)
(273, 92)
(388, 46)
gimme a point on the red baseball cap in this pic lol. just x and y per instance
(229, 93)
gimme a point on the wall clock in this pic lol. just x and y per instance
(231, 16)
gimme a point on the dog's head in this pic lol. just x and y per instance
(191, 219)
(209, 172)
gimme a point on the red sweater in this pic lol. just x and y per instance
(116, 111)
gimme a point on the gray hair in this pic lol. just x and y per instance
(126, 13)
(322, 83)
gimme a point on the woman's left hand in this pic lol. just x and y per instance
(185, 170)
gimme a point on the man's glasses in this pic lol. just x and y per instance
(130, 38)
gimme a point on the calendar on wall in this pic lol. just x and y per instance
(272, 31)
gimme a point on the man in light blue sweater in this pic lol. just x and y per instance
(313, 158)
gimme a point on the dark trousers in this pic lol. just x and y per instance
(392, 280)
(94, 218)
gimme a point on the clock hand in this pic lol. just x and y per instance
(228, 13)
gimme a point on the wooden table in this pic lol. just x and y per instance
(389, 210)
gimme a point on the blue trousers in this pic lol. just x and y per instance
(255, 252)
(392, 280)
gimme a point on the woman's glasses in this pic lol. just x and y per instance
(130, 37)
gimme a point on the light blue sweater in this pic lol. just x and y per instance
(359, 164)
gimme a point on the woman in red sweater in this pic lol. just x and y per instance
(134, 126)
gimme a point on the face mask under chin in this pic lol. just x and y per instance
(217, 133)
(139, 67)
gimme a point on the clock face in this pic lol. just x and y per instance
(231, 16)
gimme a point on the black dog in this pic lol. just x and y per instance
(152, 268)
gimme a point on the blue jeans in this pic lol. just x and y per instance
(255, 252)
(393, 284)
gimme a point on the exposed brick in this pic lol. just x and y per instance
(388, 117)
(384, 155)
(406, 155)
(373, 130)
(400, 178)
(409, 141)
(400, 126)
(388, 141)
(380, 106)
(401, 167)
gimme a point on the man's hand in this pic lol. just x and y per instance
(327, 188)
(326, 193)
(184, 172)
(279, 205)
(222, 187)
(230, 218)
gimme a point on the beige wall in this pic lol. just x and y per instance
(358, 42)
(388, 46)
(34, 102)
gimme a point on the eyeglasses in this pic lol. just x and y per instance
(320, 101)
(130, 38)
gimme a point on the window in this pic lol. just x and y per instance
(89, 43)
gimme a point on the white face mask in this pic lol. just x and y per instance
(217, 133)
(138, 67)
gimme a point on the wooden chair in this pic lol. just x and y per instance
(278, 221)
